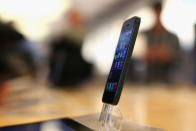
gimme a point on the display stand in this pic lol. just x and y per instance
(110, 118)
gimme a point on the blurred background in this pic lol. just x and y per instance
(67, 46)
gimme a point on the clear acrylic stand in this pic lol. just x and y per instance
(110, 118)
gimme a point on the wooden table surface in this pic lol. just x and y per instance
(172, 108)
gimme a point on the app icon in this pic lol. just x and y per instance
(124, 54)
(121, 64)
(111, 86)
(116, 56)
(115, 86)
(114, 65)
(118, 65)
(108, 87)
(119, 55)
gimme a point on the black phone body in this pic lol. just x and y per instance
(121, 60)
(59, 124)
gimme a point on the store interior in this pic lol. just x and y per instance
(56, 55)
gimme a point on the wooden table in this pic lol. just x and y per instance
(172, 108)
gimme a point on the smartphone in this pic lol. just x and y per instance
(121, 60)
(51, 125)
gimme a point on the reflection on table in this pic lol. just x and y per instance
(172, 109)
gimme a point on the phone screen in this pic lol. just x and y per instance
(52, 125)
(122, 55)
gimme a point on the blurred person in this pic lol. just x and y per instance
(194, 56)
(16, 55)
(163, 50)
(67, 66)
